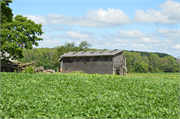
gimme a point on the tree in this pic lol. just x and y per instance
(70, 47)
(17, 33)
(84, 45)
(154, 62)
(169, 64)
(6, 12)
(29, 56)
(178, 59)
(146, 60)
(140, 67)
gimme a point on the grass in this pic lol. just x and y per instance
(88, 96)
(155, 74)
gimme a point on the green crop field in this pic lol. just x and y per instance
(88, 96)
(155, 74)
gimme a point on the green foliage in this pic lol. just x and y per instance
(88, 96)
(152, 61)
(70, 47)
(146, 59)
(169, 64)
(18, 71)
(77, 72)
(151, 69)
(29, 69)
(162, 74)
(141, 67)
(41, 56)
(148, 53)
(48, 58)
(6, 12)
(84, 45)
(17, 33)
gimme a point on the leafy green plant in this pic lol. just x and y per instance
(77, 72)
(29, 69)
(88, 96)
(18, 71)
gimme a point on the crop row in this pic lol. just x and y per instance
(88, 96)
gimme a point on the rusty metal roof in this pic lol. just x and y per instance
(91, 53)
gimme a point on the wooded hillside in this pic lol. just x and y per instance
(136, 61)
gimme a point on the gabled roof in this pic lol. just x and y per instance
(91, 53)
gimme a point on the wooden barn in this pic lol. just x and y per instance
(102, 62)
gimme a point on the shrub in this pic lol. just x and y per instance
(29, 69)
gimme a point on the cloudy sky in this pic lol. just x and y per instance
(140, 25)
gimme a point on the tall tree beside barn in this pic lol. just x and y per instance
(17, 33)
(60, 50)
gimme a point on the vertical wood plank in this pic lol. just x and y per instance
(121, 70)
(125, 70)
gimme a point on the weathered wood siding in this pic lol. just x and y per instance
(91, 65)
(117, 61)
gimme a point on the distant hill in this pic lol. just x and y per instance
(148, 53)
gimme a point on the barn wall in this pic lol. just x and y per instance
(91, 65)
(117, 61)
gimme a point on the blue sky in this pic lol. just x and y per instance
(140, 25)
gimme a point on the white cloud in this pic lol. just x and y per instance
(169, 32)
(44, 36)
(162, 45)
(45, 30)
(140, 46)
(134, 36)
(168, 41)
(135, 33)
(97, 18)
(109, 45)
(49, 43)
(176, 46)
(37, 19)
(73, 34)
(114, 45)
(149, 40)
(56, 27)
(111, 16)
(170, 11)
(77, 37)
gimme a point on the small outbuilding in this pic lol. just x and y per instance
(102, 62)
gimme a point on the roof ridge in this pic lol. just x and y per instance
(92, 53)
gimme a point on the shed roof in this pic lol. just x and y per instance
(91, 53)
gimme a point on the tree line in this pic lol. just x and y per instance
(135, 61)
(19, 35)
(150, 62)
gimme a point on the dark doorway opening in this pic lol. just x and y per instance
(117, 71)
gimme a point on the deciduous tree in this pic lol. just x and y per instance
(17, 33)
(84, 45)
